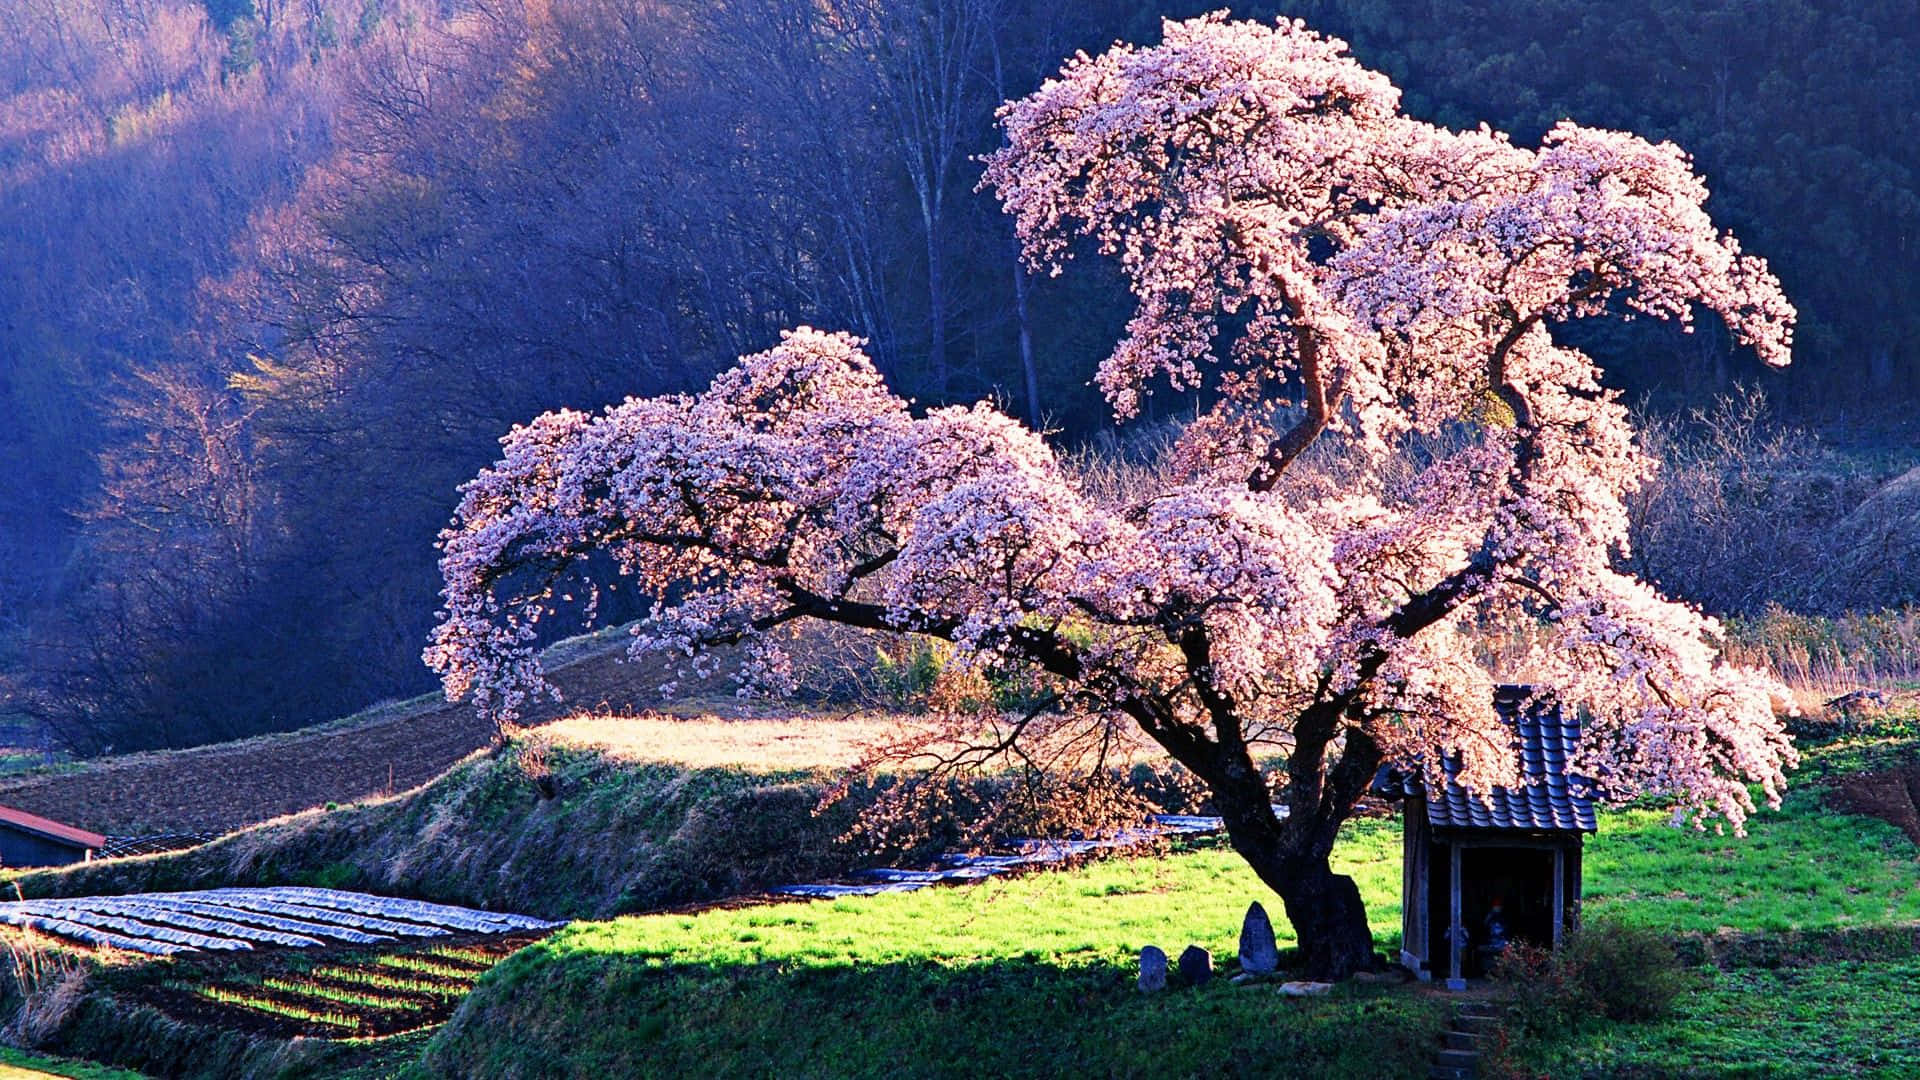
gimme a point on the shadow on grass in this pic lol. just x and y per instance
(625, 1015)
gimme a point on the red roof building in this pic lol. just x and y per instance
(31, 840)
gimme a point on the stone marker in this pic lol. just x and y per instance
(1305, 989)
(1259, 952)
(1196, 965)
(1153, 969)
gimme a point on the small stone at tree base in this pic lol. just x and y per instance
(1305, 989)
(1390, 975)
(1259, 952)
(1196, 965)
(1153, 969)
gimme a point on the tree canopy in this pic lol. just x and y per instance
(1347, 281)
(297, 236)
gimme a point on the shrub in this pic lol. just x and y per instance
(1610, 970)
(1625, 973)
(907, 670)
(1744, 511)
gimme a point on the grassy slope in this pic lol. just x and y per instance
(20, 1065)
(1033, 976)
(953, 974)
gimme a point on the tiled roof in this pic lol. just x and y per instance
(1552, 800)
(52, 830)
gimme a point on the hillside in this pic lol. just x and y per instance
(659, 812)
(385, 750)
(623, 831)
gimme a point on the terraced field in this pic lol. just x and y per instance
(277, 963)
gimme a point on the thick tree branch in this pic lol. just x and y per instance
(1320, 404)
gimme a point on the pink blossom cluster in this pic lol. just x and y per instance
(1343, 276)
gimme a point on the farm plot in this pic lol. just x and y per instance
(339, 993)
(238, 920)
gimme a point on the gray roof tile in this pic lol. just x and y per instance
(1550, 799)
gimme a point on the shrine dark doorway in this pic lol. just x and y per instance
(1521, 881)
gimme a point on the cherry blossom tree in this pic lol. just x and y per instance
(1345, 284)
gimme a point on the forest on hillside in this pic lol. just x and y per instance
(275, 276)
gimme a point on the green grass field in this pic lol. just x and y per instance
(1802, 868)
(1031, 976)
(1102, 912)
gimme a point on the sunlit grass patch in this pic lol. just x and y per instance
(21, 1065)
(1801, 868)
(754, 744)
(395, 983)
(1108, 908)
(478, 959)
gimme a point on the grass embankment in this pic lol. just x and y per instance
(618, 836)
(1031, 976)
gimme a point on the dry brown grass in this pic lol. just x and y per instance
(757, 744)
(48, 981)
(763, 744)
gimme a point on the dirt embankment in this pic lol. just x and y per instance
(229, 785)
(1889, 794)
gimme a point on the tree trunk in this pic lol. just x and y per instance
(1019, 276)
(1026, 343)
(1292, 855)
(1329, 920)
(936, 312)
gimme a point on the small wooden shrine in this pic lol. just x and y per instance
(1484, 870)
